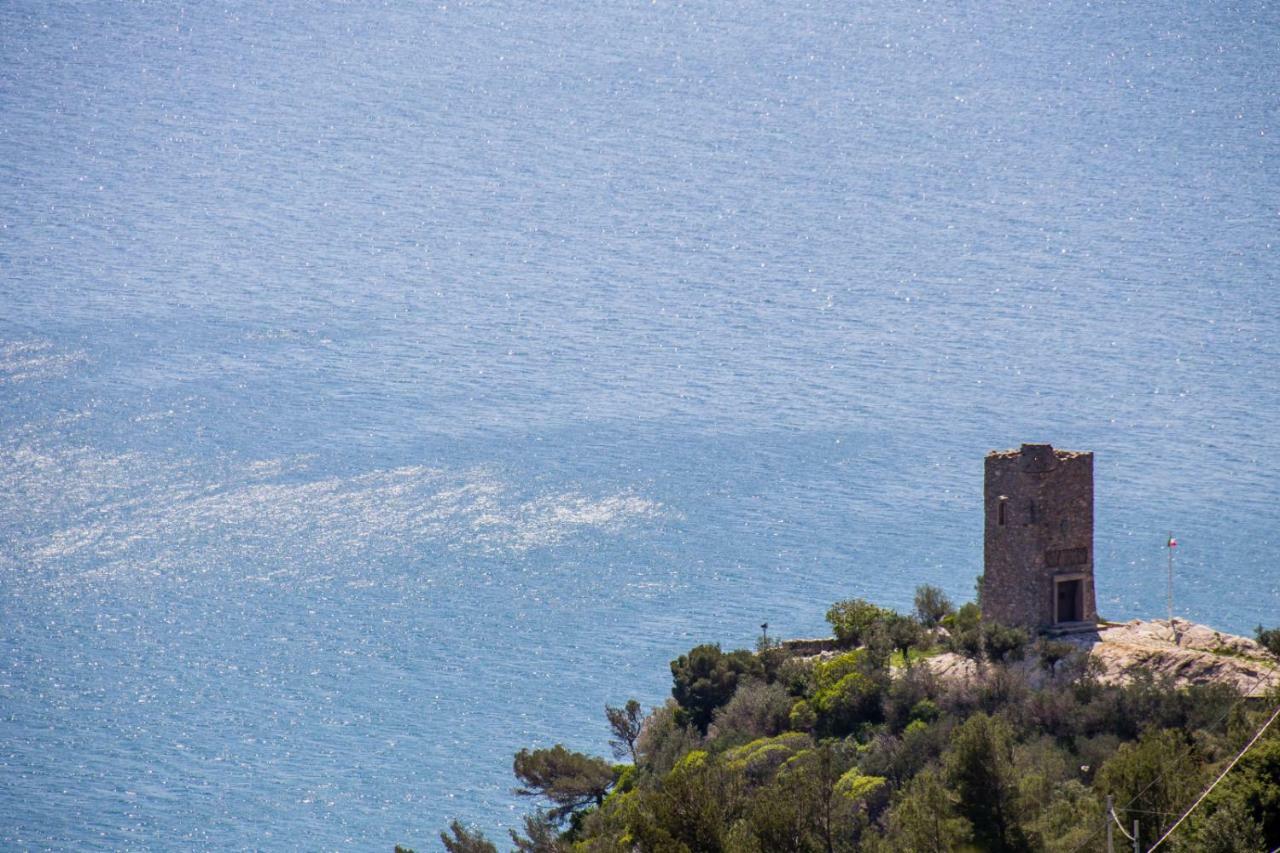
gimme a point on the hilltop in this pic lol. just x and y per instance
(937, 730)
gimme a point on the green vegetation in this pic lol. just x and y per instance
(1269, 639)
(867, 749)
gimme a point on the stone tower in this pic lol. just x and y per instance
(1038, 546)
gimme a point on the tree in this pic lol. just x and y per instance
(706, 678)
(695, 806)
(1268, 638)
(1255, 785)
(932, 605)
(825, 810)
(540, 835)
(570, 780)
(979, 767)
(1228, 829)
(1004, 643)
(1157, 776)
(625, 723)
(852, 618)
(905, 634)
(925, 819)
(465, 840)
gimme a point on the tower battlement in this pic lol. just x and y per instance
(1038, 542)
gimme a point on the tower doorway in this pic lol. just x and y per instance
(1069, 600)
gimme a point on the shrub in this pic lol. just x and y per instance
(907, 691)
(802, 717)
(756, 710)
(664, 738)
(932, 605)
(1052, 651)
(1268, 638)
(760, 759)
(852, 618)
(848, 695)
(1004, 643)
(796, 676)
(965, 626)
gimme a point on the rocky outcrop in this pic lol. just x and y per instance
(1188, 653)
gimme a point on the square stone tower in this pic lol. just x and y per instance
(1038, 546)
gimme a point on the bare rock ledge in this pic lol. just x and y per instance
(1188, 653)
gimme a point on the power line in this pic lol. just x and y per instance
(1221, 776)
(1244, 695)
(1121, 825)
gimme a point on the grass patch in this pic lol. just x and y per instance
(897, 660)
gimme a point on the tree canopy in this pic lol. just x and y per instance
(863, 751)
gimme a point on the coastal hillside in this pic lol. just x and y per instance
(930, 731)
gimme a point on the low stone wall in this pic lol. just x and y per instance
(809, 648)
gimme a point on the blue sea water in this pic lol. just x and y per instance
(387, 387)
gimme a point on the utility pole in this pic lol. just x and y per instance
(1111, 831)
(1137, 848)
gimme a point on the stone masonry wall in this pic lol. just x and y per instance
(1047, 533)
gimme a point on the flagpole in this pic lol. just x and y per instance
(1169, 545)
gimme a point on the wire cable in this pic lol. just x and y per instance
(1221, 776)
(1244, 696)
(1119, 824)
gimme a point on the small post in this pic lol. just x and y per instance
(1137, 848)
(1111, 830)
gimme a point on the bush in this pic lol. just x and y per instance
(664, 738)
(852, 618)
(932, 605)
(1268, 638)
(905, 692)
(802, 717)
(848, 695)
(1003, 643)
(965, 626)
(1052, 651)
(905, 634)
(796, 676)
(756, 710)
(760, 759)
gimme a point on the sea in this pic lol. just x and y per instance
(386, 387)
